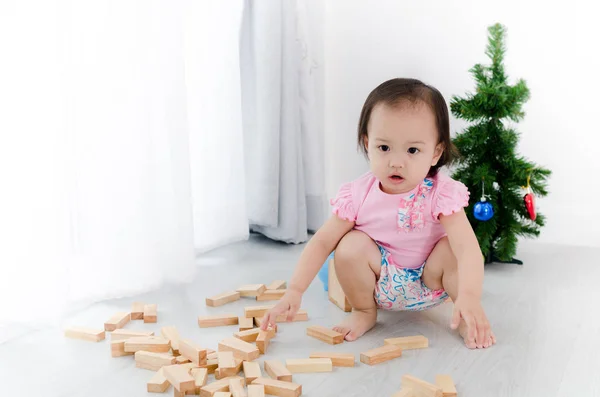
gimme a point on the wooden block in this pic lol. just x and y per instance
(279, 388)
(245, 323)
(122, 334)
(247, 336)
(327, 335)
(403, 393)
(171, 333)
(252, 290)
(446, 383)
(251, 371)
(302, 315)
(271, 295)
(337, 359)
(277, 370)
(137, 311)
(222, 394)
(88, 334)
(242, 350)
(158, 383)
(227, 365)
(118, 320)
(256, 391)
(217, 321)
(211, 365)
(335, 291)
(179, 377)
(182, 360)
(236, 388)
(408, 342)
(222, 385)
(304, 365)
(117, 348)
(195, 353)
(420, 388)
(200, 376)
(177, 393)
(263, 339)
(257, 311)
(152, 361)
(150, 313)
(148, 343)
(380, 354)
(222, 299)
(212, 356)
(189, 366)
(277, 284)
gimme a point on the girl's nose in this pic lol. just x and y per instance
(396, 162)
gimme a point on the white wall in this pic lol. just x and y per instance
(552, 45)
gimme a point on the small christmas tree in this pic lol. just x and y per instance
(499, 210)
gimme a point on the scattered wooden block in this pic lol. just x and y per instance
(380, 354)
(179, 377)
(256, 391)
(245, 323)
(301, 315)
(222, 385)
(248, 336)
(404, 393)
(242, 350)
(222, 394)
(408, 342)
(420, 387)
(263, 339)
(217, 320)
(337, 359)
(117, 348)
(171, 333)
(324, 334)
(252, 290)
(257, 311)
(182, 360)
(335, 291)
(277, 370)
(200, 376)
(137, 311)
(189, 366)
(122, 334)
(222, 299)
(158, 383)
(251, 371)
(279, 388)
(152, 361)
(195, 353)
(213, 355)
(446, 383)
(148, 343)
(236, 388)
(227, 365)
(271, 295)
(87, 334)
(177, 393)
(277, 284)
(211, 365)
(118, 320)
(150, 313)
(304, 365)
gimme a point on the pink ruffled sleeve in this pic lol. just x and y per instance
(343, 204)
(450, 197)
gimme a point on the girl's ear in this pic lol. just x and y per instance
(439, 150)
(366, 143)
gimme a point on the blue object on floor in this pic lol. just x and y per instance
(324, 273)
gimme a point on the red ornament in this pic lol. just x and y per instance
(529, 200)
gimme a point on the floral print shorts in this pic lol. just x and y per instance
(401, 289)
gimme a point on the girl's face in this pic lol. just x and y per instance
(402, 145)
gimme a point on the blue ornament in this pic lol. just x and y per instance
(324, 273)
(483, 210)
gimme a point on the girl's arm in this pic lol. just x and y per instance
(317, 250)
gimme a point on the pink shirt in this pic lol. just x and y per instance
(406, 225)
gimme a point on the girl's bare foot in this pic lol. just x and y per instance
(355, 325)
(462, 330)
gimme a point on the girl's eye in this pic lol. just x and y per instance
(384, 148)
(413, 150)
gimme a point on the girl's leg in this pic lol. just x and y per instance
(357, 264)
(441, 272)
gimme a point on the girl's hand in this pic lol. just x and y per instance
(478, 332)
(288, 305)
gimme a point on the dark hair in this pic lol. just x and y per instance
(397, 91)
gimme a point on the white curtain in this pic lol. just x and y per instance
(282, 138)
(120, 148)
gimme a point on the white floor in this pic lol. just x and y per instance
(544, 314)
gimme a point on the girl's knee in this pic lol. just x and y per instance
(355, 244)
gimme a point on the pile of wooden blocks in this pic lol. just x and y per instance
(187, 366)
